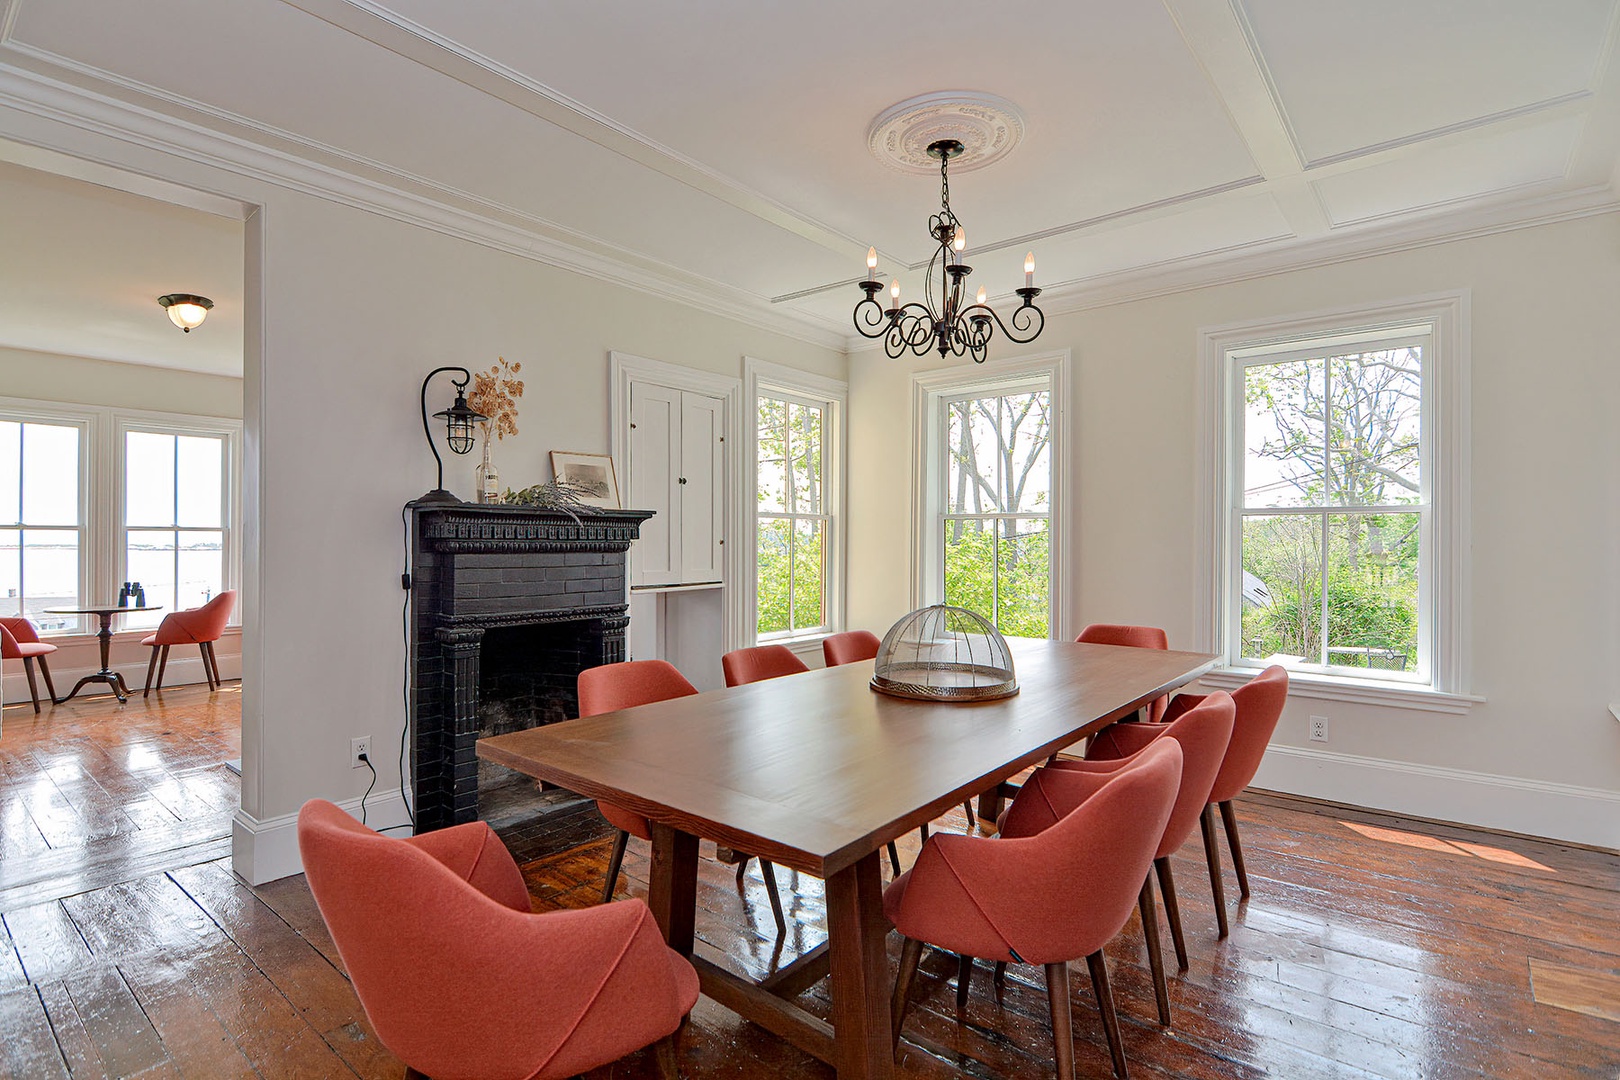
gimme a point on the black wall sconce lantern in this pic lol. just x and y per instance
(458, 419)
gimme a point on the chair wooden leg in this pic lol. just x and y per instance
(50, 687)
(1057, 997)
(1155, 951)
(964, 977)
(208, 672)
(894, 858)
(924, 831)
(1000, 974)
(163, 664)
(151, 669)
(213, 662)
(1105, 1005)
(669, 1066)
(33, 687)
(1206, 823)
(769, 873)
(910, 955)
(742, 868)
(620, 842)
(1229, 817)
(967, 808)
(1172, 910)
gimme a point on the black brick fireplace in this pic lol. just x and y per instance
(509, 604)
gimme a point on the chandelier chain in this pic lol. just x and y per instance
(945, 185)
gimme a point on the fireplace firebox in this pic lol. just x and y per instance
(509, 605)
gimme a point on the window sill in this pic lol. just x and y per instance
(798, 642)
(1354, 691)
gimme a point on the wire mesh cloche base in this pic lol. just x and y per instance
(944, 653)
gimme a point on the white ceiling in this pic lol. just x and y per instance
(717, 150)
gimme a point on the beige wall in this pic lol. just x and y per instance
(1546, 514)
(78, 380)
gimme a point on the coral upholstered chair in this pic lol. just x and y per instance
(461, 982)
(1259, 705)
(1204, 732)
(1135, 637)
(20, 641)
(201, 627)
(850, 647)
(760, 663)
(625, 685)
(1047, 898)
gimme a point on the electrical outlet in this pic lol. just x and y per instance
(1319, 729)
(359, 746)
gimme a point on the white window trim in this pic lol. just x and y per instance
(1446, 431)
(101, 489)
(929, 389)
(762, 378)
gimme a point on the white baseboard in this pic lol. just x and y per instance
(1566, 812)
(264, 850)
(181, 671)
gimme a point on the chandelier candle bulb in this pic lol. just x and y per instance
(979, 300)
(871, 264)
(1029, 270)
(894, 292)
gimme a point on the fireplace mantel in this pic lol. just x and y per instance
(476, 568)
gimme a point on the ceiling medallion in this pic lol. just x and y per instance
(987, 126)
(945, 322)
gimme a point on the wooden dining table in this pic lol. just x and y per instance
(818, 772)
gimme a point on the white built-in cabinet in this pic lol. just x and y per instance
(676, 468)
(676, 433)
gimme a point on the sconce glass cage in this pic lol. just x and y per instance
(944, 653)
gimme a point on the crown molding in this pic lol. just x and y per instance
(40, 84)
(1282, 255)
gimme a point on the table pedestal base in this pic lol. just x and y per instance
(111, 678)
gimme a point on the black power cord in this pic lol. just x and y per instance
(405, 676)
(366, 761)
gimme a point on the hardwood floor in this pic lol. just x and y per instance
(1373, 946)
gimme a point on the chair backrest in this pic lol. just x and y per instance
(760, 663)
(850, 647)
(1066, 891)
(1204, 731)
(454, 983)
(197, 624)
(628, 684)
(1259, 704)
(9, 639)
(1135, 637)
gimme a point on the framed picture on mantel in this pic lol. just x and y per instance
(592, 474)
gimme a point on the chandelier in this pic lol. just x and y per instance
(953, 328)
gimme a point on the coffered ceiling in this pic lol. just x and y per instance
(717, 151)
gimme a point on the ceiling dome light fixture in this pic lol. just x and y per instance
(954, 327)
(185, 310)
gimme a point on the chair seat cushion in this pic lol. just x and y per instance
(34, 648)
(628, 820)
(149, 639)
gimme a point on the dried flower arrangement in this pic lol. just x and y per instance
(495, 393)
(551, 495)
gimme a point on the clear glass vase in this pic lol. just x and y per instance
(489, 479)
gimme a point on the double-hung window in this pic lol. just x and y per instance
(175, 516)
(797, 532)
(1340, 507)
(43, 531)
(988, 507)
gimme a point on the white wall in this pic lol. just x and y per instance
(347, 311)
(78, 380)
(1542, 754)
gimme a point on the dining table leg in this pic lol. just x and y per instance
(672, 885)
(856, 930)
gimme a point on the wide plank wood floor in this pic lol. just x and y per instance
(1373, 946)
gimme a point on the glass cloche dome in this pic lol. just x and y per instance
(944, 653)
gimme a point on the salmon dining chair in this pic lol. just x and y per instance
(850, 647)
(1135, 637)
(1047, 898)
(625, 685)
(1204, 732)
(20, 641)
(1259, 705)
(201, 626)
(461, 981)
(759, 663)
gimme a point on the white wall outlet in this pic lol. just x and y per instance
(359, 746)
(1319, 729)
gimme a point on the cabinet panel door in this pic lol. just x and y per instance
(703, 487)
(655, 448)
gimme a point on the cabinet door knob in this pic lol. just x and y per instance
(683, 479)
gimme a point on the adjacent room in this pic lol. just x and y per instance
(734, 540)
